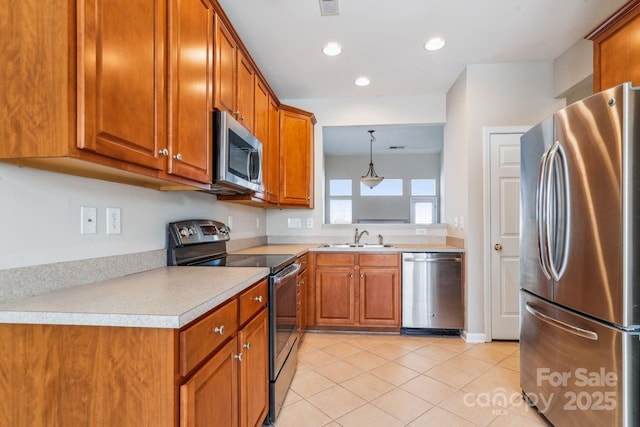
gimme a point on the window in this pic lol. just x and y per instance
(423, 187)
(424, 210)
(340, 203)
(388, 187)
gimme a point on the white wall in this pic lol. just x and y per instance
(515, 94)
(344, 112)
(40, 216)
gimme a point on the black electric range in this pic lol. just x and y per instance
(202, 243)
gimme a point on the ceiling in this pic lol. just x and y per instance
(384, 40)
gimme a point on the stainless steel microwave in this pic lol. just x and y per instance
(237, 157)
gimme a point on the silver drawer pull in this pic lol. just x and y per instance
(456, 259)
(219, 330)
(238, 357)
(258, 298)
(584, 333)
(247, 346)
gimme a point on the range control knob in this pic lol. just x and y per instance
(192, 231)
(184, 231)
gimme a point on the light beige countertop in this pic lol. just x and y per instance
(300, 249)
(168, 297)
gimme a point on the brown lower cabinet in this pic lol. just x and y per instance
(360, 290)
(212, 372)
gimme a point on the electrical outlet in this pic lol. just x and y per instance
(88, 220)
(294, 222)
(309, 222)
(455, 222)
(461, 223)
(113, 220)
(421, 231)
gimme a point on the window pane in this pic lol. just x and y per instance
(340, 187)
(423, 187)
(388, 187)
(423, 212)
(339, 211)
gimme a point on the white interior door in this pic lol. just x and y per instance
(505, 234)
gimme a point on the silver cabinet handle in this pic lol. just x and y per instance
(219, 330)
(362, 275)
(247, 346)
(163, 152)
(351, 276)
(584, 333)
(238, 357)
(178, 157)
(258, 298)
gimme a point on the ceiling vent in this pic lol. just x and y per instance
(329, 8)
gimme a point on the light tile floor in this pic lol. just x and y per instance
(357, 380)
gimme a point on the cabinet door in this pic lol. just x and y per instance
(254, 371)
(191, 48)
(224, 68)
(121, 80)
(210, 397)
(335, 297)
(295, 159)
(272, 154)
(245, 91)
(379, 296)
(261, 129)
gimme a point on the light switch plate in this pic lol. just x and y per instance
(309, 222)
(421, 231)
(294, 222)
(113, 220)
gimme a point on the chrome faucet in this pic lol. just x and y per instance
(357, 237)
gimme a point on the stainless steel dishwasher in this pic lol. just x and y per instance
(432, 292)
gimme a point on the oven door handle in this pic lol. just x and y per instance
(287, 272)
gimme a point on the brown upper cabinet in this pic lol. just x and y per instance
(272, 169)
(87, 94)
(234, 75)
(616, 48)
(296, 157)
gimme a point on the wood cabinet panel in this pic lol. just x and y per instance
(272, 154)
(616, 48)
(224, 68)
(191, 38)
(210, 397)
(335, 297)
(201, 338)
(378, 260)
(254, 371)
(379, 297)
(58, 375)
(296, 161)
(245, 91)
(121, 80)
(335, 259)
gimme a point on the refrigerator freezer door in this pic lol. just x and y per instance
(576, 371)
(533, 262)
(590, 136)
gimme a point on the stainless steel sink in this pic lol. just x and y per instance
(356, 245)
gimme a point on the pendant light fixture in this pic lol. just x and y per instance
(371, 179)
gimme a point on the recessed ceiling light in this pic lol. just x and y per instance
(332, 49)
(435, 43)
(362, 81)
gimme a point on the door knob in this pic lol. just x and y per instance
(497, 247)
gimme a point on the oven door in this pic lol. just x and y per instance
(283, 317)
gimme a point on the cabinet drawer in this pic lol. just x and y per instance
(252, 300)
(379, 260)
(200, 339)
(336, 259)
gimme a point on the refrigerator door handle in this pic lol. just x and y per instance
(584, 333)
(557, 211)
(541, 212)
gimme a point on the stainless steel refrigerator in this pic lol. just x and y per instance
(580, 262)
